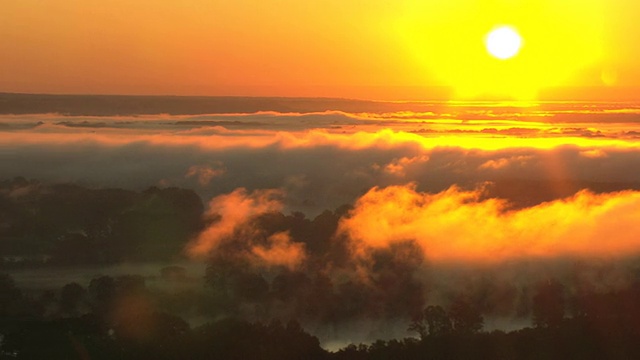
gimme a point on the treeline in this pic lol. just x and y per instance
(572, 340)
(67, 224)
(261, 302)
(74, 226)
(118, 318)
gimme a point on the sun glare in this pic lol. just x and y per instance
(503, 42)
(501, 50)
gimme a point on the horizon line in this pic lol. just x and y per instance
(607, 94)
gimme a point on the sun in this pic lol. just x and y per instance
(502, 50)
(503, 42)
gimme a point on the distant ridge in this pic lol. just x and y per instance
(132, 105)
(123, 105)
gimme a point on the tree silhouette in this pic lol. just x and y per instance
(102, 293)
(548, 304)
(433, 320)
(465, 316)
(12, 301)
(437, 320)
(71, 296)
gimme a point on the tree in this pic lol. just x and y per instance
(432, 321)
(437, 320)
(548, 304)
(233, 281)
(465, 317)
(10, 295)
(71, 296)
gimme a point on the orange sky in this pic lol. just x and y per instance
(373, 49)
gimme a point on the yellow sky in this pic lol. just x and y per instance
(365, 49)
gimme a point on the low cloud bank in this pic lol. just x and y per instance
(459, 226)
(228, 213)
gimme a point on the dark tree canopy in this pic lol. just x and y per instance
(548, 304)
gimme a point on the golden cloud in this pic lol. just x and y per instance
(228, 213)
(280, 251)
(457, 225)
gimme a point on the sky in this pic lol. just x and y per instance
(375, 49)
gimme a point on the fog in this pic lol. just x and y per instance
(351, 222)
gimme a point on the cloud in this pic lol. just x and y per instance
(501, 163)
(399, 167)
(205, 173)
(594, 153)
(323, 159)
(280, 251)
(456, 225)
(228, 213)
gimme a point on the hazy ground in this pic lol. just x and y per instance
(483, 199)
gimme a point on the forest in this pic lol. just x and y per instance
(244, 305)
